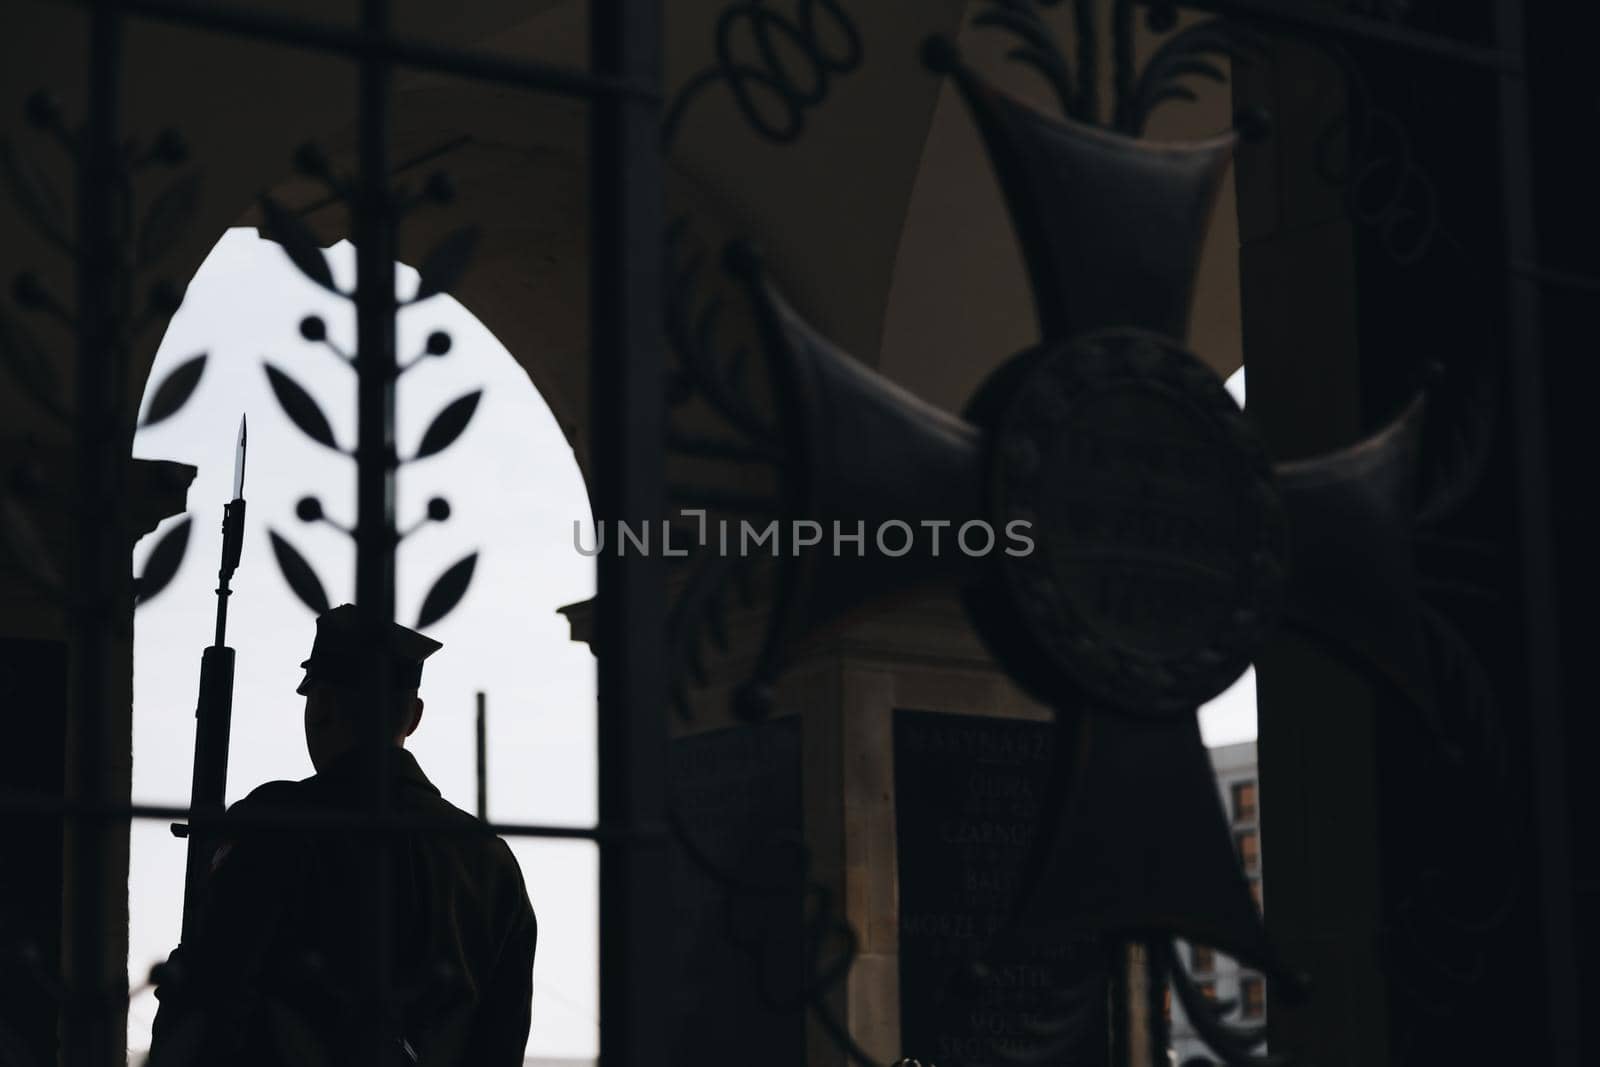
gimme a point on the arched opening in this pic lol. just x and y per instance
(514, 490)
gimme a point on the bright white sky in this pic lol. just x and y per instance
(515, 490)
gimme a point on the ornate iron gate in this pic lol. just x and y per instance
(629, 376)
(621, 85)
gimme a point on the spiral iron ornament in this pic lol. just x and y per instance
(778, 66)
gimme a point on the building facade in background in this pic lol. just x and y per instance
(1218, 976)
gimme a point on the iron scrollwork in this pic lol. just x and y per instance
(1235, 1044)
(1196, 51)
(103, 321)
(751, 438)
(788, 66)
(698, 623)
(777, 65)
(1381, 471)
(140, 241)
(105, 238)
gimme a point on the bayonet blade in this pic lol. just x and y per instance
(238, 463)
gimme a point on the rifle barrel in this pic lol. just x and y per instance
(213, 725)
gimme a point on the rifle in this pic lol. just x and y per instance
(213, 712)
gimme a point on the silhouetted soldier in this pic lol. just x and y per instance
(278, 973)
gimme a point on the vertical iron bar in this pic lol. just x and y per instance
(627, 409)
(1136, 1021)
(483, 757)
(1156, 999)
(96, 975)
(1540, 604)
(375, 479)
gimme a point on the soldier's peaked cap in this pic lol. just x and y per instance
(339, 653)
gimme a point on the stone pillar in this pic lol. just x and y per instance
(34, 679)
(913, 680)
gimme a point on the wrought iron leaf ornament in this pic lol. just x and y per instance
(127, 241)
(753, 436)
(447, 591)
(444, 266)
(175, 390)
(301, 408)
(1197, 51)
(34, 194)
(24, 543)
(298, 573)
(162, 564)
(1039, 50)
(25, 358)
(167, 218)
(448, 424)
(298, 243)
(692, 326)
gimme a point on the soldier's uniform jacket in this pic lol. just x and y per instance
(277, 974)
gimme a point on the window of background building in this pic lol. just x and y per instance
(1244, 802)
(1249, 846)
(1203, 959)
(1252, 997)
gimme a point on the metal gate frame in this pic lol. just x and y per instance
(622, 87)
(627, 397)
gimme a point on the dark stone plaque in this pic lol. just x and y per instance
(969, 793)
(739, 889)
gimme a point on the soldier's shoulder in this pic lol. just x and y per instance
(502, 851)
(510, 870)
(479, 831)
(278, 794)
(266, 797)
